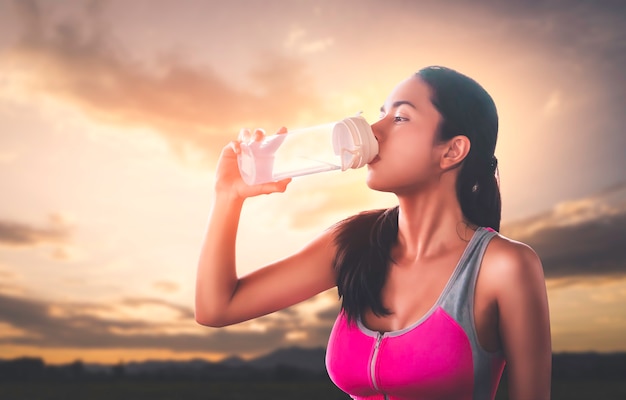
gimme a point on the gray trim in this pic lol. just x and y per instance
(459, 304)
(460, 266)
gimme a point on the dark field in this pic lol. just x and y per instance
(292, 373)
(192, 390)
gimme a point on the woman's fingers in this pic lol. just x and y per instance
(273, 187)
(244, 135)
(235, 146)
(250, 139)
(259, 134)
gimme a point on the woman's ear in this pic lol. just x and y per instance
(455, 151)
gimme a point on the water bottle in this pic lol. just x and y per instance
(342, 145)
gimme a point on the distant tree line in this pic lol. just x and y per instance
(34, 369)
(581, 366)
(566, 366)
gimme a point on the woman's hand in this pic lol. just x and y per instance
(228, 178)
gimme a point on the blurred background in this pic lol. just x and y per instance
(113, 113)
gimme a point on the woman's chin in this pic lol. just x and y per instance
(376, 184)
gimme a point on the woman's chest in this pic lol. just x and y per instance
(411, 294)
(430, 360)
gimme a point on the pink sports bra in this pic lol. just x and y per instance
(438, 357)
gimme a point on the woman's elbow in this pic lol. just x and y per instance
(205, 317)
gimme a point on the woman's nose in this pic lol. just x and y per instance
(377, 129)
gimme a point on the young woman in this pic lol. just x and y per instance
(434, 300)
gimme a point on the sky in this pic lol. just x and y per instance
(113, 113)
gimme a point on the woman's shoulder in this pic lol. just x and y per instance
(508, 262)
(505, 249)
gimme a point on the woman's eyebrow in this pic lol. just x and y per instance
(397, 104)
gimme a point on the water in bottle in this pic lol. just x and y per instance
(341, 145)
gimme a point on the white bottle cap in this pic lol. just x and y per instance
(354, 142)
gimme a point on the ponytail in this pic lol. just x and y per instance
(478, 192)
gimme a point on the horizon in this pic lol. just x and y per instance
(112, 115)
(261, 356)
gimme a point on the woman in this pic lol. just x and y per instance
(434, 300)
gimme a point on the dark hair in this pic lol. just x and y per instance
(364, 241)
(467, 109)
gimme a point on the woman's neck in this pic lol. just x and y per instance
(429, 222)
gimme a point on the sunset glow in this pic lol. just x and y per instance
(113, 113)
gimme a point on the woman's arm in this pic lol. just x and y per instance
(524, 320)
(223, 298)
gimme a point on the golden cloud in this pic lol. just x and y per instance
(16, 234)
(579, 239)
(79, 63)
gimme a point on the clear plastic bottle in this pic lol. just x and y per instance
(341, 145)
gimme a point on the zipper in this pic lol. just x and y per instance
(379, 338)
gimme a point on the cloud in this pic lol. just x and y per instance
(6, 275)
(317, 45)
(126, 324)
(181, 311)
(166, 286)
(297, 39)
(79, 62)
(15, 234)
(329, 314)
(318, 200)
(294, 36)
(590, 36)
(579, 240)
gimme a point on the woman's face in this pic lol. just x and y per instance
(409, 152)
